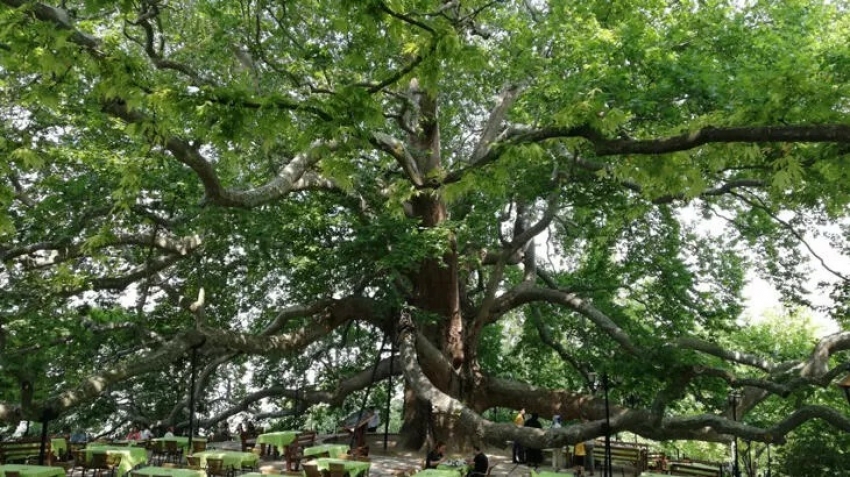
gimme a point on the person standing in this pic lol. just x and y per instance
(534, 457)
(588, 459)
(480, 463)
(579, 453)
(519, 453)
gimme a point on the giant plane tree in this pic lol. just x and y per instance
(513, 195)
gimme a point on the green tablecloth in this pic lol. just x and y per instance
(653, 474)
(182, 442)
(333, 450)
(458, 469)
(33, 470)
(236, 460)
(59, 446)
(130, 456)
(437, 473)
(150, 471)
(353, 467)
(277, 439)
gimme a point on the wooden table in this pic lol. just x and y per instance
(437, 473)
(182, 442)
(334, 451)
(130, 456)
(278, 439)
(232, 459)
(59, 446)
(152, 471)
(33, 470)
(353, 467)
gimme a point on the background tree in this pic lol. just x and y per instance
(284, 185)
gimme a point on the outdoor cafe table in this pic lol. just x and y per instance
(236, 460)
(277, 439)
(59, 446)
(353, 467)
(333, 450)
(33, 470)
(171, 472)
(130, 456)
(458, 468)
(438, 473)
(653, 474)
(182, 442)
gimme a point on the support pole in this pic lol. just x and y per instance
(389, 395)
(608, 471)
(194, 362)
(43, 442)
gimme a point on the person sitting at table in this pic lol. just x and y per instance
(479, 463)
(146, 434)
(374, 421)
(78, 437)
(134, 434)
(436, 456)
(170, 432)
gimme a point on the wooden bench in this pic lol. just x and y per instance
(624, 457)
(697, 469)
(25, 452)
(294, 452)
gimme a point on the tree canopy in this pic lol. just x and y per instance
(512, 195)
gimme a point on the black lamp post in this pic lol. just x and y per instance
(592, 376)
(734, 396)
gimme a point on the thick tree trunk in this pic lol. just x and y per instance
(414, 427)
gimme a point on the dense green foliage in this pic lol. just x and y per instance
(548, 189)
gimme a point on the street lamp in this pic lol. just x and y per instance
(734, 396)
(605, 383)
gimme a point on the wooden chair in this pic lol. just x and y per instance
(79, 462)
(157, 452)
(337, 470)
(312, 470)
(99, 462)
(199, 446)
(193, 462)
(173, 452)
(113, 462)
(215, 468)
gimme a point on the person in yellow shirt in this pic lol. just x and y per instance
(519, 452)
(579, 453)
(519, 420)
